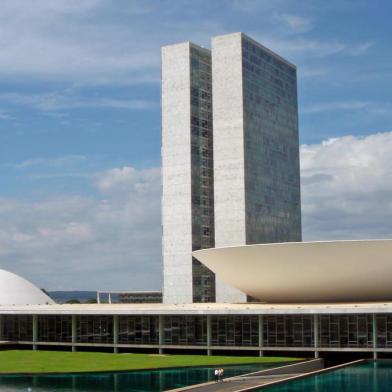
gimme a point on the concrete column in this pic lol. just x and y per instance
(161, 326)
(374, 330)
(98, 297)
(208, 334)
(316, 335)
(109, 297)
(74, 332)
(261, 336)
(35, 332)
(115, 334)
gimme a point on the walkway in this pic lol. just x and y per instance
(237, 384)
(263, 378)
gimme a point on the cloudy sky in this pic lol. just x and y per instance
(80, 126)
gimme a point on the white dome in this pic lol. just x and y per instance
(15, 290)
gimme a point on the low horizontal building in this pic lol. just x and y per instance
(129, 297)
(136, 297)
(334, 326)
(361, 327)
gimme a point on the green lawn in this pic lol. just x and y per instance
(25, 361)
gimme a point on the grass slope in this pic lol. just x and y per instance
(25, 361)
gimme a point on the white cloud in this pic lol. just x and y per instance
(303, 48)
(5, 116)
(361, 48)
(347, 188)
(312, 72)
(296, 23)
(67, 161)
(72, 40)
(111, 241)
(368, 107)
(127, 178)
(336, 105)
(252, 6)
(89, 41)
(52, 102)
(99, 42)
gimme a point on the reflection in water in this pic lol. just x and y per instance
(370, 376)
(157, 380)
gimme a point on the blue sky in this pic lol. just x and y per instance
(80, 123)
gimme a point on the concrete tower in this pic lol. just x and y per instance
(230, 158)
(187, 166)
(256, 148)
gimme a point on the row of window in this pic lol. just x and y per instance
(250, 47)
(191, 330)
(277, 331)
(270, 111)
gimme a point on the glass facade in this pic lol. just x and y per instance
(55, 328)
(384, 330)
(140, 298)
(95, 329)
(203, 279)
(288, 331)
(234, 331)
(272, 181)
(138, 330)
(16, 328)
(343, 331)
(185, 330)
(346, 331)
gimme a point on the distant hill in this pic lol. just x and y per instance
(64, 296)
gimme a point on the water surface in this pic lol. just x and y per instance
(156, 380)
(365, 377)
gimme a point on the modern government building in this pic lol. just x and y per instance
(236, 275)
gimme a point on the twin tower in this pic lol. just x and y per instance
(230, 158)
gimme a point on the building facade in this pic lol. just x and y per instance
(129, 297)
(230, 158)
(187, 173)
(256, 148)
(140, 297)
(258, 329)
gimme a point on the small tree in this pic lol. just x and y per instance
(73, 301)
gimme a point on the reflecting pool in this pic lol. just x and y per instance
(156, 380)
(366, 377)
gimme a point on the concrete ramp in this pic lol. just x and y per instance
(264, 378)
(295, 368)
